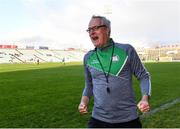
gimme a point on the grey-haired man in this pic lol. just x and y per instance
(108, 75)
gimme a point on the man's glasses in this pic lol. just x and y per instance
(94, 28)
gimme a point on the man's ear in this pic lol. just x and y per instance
(108, 31)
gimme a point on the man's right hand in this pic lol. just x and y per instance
(82, 108)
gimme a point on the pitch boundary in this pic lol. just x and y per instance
(162, 107)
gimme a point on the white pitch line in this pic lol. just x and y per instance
(162, 107)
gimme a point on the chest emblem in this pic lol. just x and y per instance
(115, 58)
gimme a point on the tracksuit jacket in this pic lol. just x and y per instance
(119, 105)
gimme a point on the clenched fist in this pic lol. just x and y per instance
(143, 106)
(82, 108)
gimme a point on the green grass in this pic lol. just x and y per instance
(165, 84)
(167, 118)
(47, 95)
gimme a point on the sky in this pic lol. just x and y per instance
(60, 24)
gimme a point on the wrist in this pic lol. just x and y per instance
(145, 98)
(84, 100)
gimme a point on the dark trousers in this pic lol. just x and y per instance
(94, 123)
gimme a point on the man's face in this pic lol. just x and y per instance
(98, 32)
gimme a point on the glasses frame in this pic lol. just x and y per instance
(94, 28)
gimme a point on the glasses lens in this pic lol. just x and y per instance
(94, 28)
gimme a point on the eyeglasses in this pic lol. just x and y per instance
(94, 28)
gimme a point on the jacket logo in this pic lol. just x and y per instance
(115, 58)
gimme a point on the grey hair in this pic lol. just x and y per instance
(104, 20)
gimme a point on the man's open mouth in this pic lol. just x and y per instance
(95, 38)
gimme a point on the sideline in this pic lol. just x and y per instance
(162, 107)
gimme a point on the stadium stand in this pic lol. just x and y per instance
(32, 55)
(16, 55)
(162, 54)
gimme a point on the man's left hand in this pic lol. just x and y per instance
(143, 106)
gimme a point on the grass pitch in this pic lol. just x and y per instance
(47, 95)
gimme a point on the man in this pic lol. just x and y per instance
(108, 75)
(63, 60)
(37, 61)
